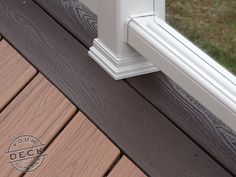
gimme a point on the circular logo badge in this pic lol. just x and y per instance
(26, 153)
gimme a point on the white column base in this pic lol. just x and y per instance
(120, 68)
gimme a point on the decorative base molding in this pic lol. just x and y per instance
(120, 68)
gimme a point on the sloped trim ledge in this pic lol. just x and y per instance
(191, 70)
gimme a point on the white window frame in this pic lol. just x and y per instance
(130, 43)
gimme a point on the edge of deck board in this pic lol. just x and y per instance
(81, 18)
(40, 110)
(15, 73)
(195, 120)
(125, 168)
(94, 152)
(141, 131)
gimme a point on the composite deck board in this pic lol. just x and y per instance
(80, 150)
(125, 168)
(141, 131)
(80, 17)
(15, 73)
(40, 110)
(193, 118)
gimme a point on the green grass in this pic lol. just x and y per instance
(210, 24)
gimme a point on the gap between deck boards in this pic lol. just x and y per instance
(190, 116)
(132, 127)
(20, 107)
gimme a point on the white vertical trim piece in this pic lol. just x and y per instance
(188, 66)
(91, 4)
(160, 8)
(111, 50)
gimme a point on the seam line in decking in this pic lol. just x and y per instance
(113, 165)
(65, 125)
(193, 111)
(56, 134)
(136, 90)
(185, 133)
(17, 93)
(122, 152)
(108, 82)
(140, 93)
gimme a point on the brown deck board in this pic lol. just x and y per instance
(136, 127)
(39, 110)
(80, 17)
(188, 114)
(125, 168)
(15, 73)
(95, 152)
(80, 150)
(195, 120)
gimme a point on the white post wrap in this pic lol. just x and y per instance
(110, 50)
(127, 21)
(91, 4)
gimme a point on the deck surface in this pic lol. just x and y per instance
(32, 106)
(184, 111)
(150, 119)
(205, 129)
(14, 73)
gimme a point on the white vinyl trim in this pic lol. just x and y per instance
(131, 43)
(110, 50)
(202, 77)
(120, 68)
(159, 8)
(91, 4)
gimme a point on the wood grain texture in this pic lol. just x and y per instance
(142, 132)
(15, 73)
(125, 168)
(80, 150)
(207, 130)
(73, 14)
(39, 110)
(201, 125)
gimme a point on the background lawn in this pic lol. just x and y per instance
(210, 24)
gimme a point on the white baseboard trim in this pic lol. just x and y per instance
(120, 68)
